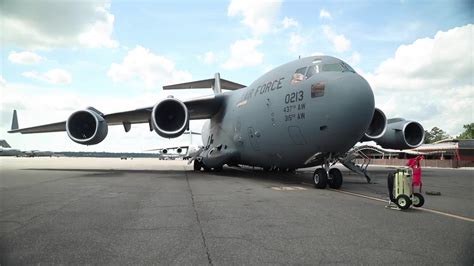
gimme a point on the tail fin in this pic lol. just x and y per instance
(14, 121)
(217, 84)
(4, 144)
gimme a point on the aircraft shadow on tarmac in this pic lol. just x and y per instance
(298, 177)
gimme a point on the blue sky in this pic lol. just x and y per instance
(57, 57)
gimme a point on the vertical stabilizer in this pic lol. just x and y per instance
(217, 84)
(14, 121)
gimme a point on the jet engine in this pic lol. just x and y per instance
(179, 150)
(170, 118)
(377, 126)
(86, 127)
(402, 134)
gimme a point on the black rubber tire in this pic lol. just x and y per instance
(418, 200)
(335, 178)
(197, 166)
(320, 178)
(403, 202)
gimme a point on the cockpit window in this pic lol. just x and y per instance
(301, 70)
(348, 67)
(333, 68)
(311, 71)
(299, 75)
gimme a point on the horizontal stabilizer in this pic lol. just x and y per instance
(217, 84)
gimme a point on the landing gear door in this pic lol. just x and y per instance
(253, 137)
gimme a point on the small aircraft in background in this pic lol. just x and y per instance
(185, 152)
(305, 113)
(7, 150)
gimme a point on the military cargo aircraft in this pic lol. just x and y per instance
(7, 150)
(308, 112)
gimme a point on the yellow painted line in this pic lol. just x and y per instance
(421, 209)
(448, 214)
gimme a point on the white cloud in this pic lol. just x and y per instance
(296, 42)
(98, 34)
(354, 59)
(3, 82)
(244, 53)
(259, 16)
(289, 22)
(340, 42)
(431, 63)
(152, 69)
(53, 76)
(208, 57)
(24, 58)
(325, 14)
(57, 23)
(429, 80)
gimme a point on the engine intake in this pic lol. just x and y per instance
(170, 118)
(402, 134)
(86, 127)
(377, 126)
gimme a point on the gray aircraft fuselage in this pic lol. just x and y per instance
(290, 114)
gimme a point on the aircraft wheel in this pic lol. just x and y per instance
(335, 178)
(418, 200)
(197, 166)
(206, 169)
(320, 178)
(403, 202)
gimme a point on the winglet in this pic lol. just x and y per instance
(14, 121)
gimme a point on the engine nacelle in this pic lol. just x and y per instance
(402, 134)
(86, 127)
(170, 118)
(377, 126)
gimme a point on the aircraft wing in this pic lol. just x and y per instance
(198, 108)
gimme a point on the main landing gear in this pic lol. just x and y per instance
(197, 166)
(327, 176)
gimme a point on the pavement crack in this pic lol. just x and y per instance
(198, 221)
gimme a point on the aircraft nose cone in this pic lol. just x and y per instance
(352, 108)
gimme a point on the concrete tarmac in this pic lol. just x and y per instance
(146, 211)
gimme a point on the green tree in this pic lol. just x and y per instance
(468, 132)
(435, 134)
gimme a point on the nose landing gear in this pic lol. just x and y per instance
(327, 176)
